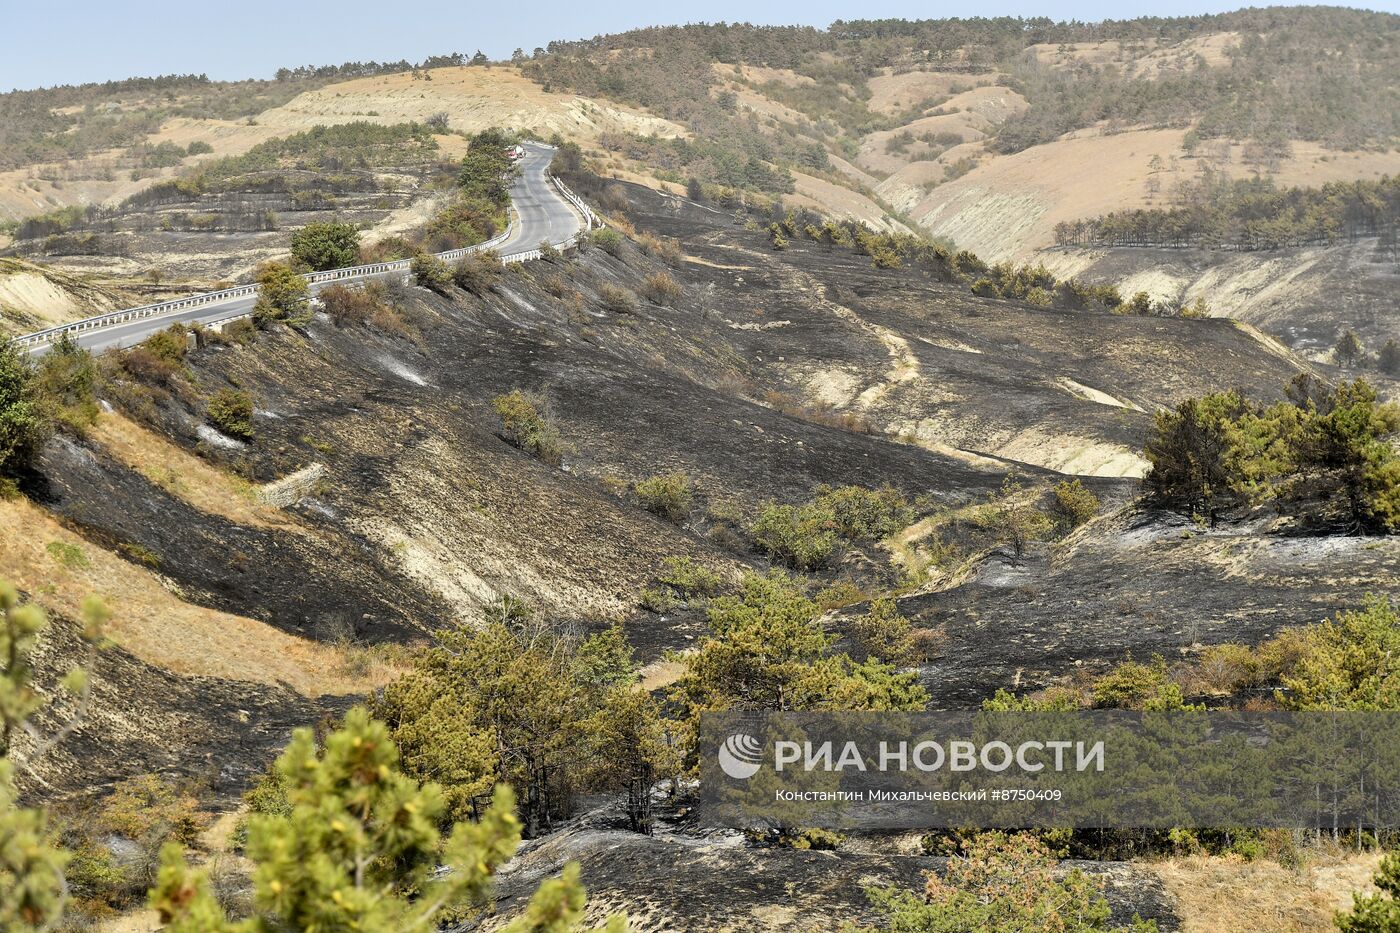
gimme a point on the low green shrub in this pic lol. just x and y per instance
(608, 240)
(803, 537)
(430, 272)
(865, 514)
(839, 595)
(690, 578)
(65, 384)
(170, 344)
(231, 411)
(66, 555)
(282, 295)
(241, 331)
(986, 288)
(659, 599)
(1074, 505)
(669, 495)
(883, 632)
(525, 424)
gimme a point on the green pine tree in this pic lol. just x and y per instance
(32, 886)
(361, 850)
(1376, 913)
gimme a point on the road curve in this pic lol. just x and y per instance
(542, 214)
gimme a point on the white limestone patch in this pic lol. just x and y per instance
(948, 344)
(1073, 454)
(767, 325)
(834, 386)
(396, 368)
(1088, 394)
(218, 439)
(518, 300)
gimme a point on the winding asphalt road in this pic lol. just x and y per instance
(543, 215)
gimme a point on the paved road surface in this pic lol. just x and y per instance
(542, 215)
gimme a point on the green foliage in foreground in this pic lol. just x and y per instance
(33, 890)
(361, 849)
(1000, 882)
(1380, 912)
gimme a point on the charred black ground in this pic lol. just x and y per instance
(764, 375)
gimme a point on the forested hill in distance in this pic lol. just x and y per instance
(987, 134)
(993, 133)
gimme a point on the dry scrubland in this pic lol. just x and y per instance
(697, 348)
(758, 374)
(999, 206)
(1008, 206)
(474, 98)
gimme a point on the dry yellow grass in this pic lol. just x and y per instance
(972, 114)
(184, 475)
(47, 296)
(660, 673)
(758, 74)
(474, 98)
(1007, 207)
(97, 179)
(894, 93)
(155, 625)
(837, 201)
(1222, 895)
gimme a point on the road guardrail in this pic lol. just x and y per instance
(49, 335)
